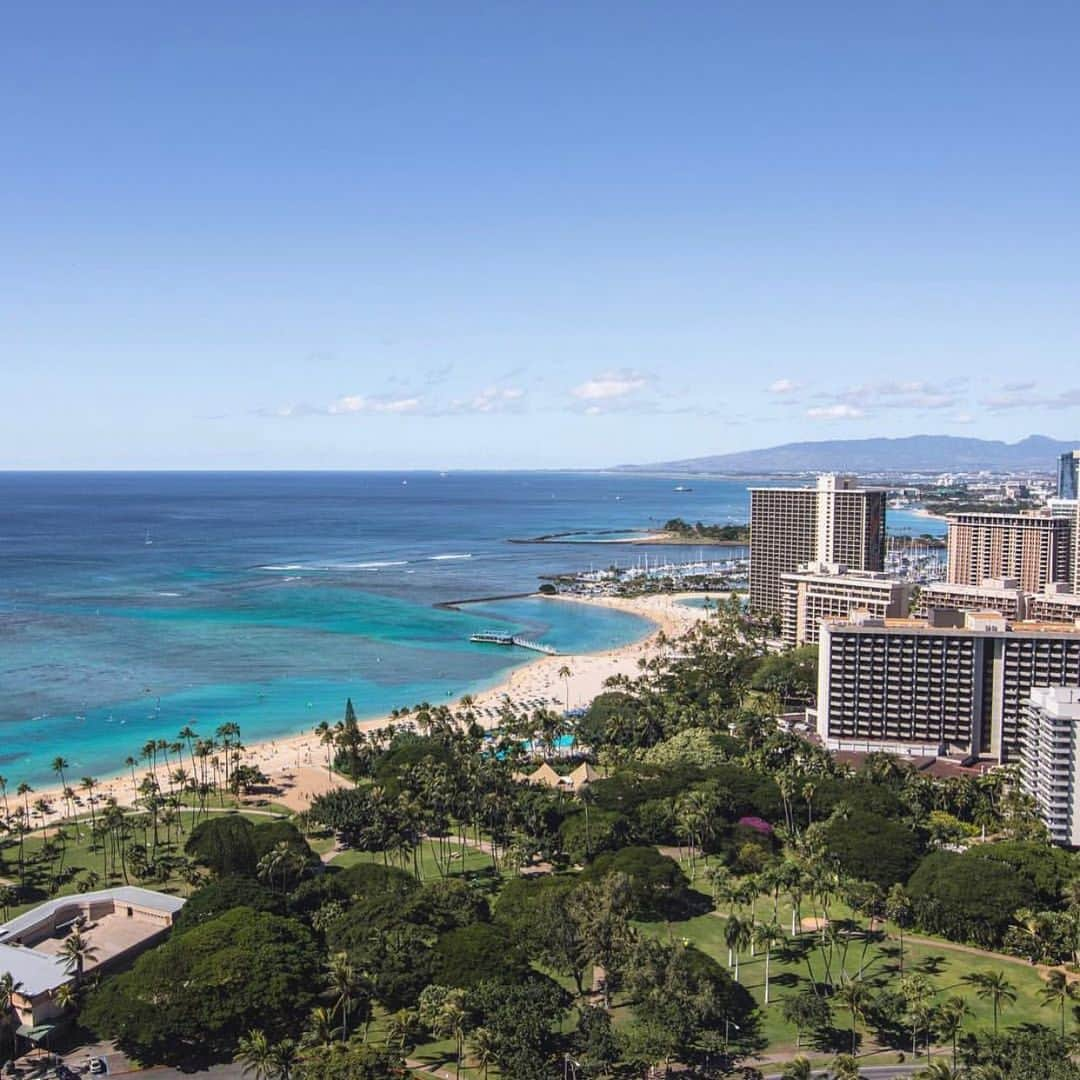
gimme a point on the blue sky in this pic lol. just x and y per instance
(507, 234)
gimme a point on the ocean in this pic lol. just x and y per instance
(133, 604)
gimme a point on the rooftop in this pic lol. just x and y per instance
(36, 972)
(124, 894)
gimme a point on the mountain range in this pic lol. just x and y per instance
(913, 453)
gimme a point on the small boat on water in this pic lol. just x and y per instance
(683, 487)
(492, 637)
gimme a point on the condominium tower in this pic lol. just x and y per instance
(834, 522)
(1068, 485)
(1048, 760)
(1033, 548)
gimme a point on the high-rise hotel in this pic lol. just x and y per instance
(1034, 548)
(835, 522)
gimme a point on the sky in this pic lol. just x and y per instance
(510, 235)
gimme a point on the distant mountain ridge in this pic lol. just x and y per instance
(913, 453)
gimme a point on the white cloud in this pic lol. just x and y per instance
(839, 411)
(357, 403)
(489, 400)
(610, 384)
(397, 405)
(1022, 395)
(593, 410)
(783, 386)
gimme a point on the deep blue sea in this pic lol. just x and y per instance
(132, 604)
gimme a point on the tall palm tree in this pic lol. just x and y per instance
(855, 996)
(768, 934)
(452, 1023)
(59, 764)
(950, 1021)
(1057, 991)
(88, 783)
(346, 984)
(736, 937)
(75, 952)
(482, 1049)
(566, 675)
(992, 986)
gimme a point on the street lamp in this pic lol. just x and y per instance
(728, 1025)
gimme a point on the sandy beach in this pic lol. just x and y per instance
(296, 764)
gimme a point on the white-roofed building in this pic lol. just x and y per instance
(116, 923)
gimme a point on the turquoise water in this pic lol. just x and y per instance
(132, 605)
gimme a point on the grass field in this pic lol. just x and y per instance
(943, 964)
(474, 862)
(48, 876)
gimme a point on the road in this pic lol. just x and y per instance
(869, 1072)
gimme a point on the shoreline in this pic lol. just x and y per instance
(296, 764)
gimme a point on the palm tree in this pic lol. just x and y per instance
(855, 996)
(9, 987)
(321, 1030)
(1057, 991)
(482, 1049)
(566, 675)
(898, 908)
(283, 1058)
(75, 952)
(798, 1069)
(767, 935)
(951, 1019)
(346, 984)
(938, 1070)
(844, 1067)
(452, 1024)
(256, 1054)
(992, 986)
(59, 764)
(88, 783)
(736, 937)
(66, 997)
(400, 1026)
(281, 860)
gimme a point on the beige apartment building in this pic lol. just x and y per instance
(835, 522)
(831, 590)
(1057, 604)
(1036, 549)
(1002, 595)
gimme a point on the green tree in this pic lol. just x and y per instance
(1058, 991)
(194, 996)
(994, 987)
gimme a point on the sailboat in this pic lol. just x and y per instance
(148, 541)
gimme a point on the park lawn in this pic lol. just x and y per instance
(80, 857)
(944, 965)
(474, 862)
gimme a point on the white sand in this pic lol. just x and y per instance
(297, 764)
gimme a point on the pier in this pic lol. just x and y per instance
(494, 637)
